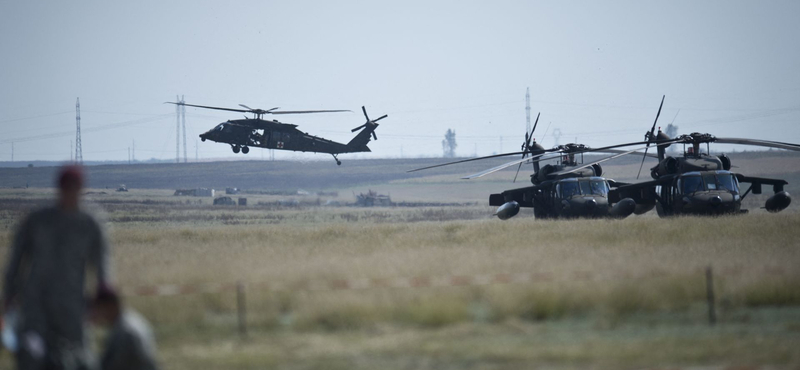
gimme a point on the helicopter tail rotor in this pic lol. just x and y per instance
(370, 123)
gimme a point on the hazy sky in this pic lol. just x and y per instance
(596, 71)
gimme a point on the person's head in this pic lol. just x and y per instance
(70, 183)
(106, 307)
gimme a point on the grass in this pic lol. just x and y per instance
(619, 293)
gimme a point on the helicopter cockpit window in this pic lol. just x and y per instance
(220, 127)
(598, 187)
(568, 189)
(711, 182)
(727, 182)
(286, 137)
(692, 184)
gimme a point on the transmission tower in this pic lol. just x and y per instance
(528, 109)
(183, 124)
(178, 129)
(78, 149)
(557, 135)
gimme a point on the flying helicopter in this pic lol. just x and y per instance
(698, 183)
(567, 189)
(241, 134)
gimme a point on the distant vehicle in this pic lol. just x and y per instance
(372, 199)
(224, 201)
(241, 134)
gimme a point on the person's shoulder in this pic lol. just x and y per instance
(40, 214)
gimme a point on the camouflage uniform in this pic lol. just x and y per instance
(46, 276)
(130, 344)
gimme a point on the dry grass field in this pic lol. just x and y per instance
(613, 294)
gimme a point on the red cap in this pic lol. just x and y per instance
(70, 177)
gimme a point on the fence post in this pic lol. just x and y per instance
(712, 314)
(241, 309)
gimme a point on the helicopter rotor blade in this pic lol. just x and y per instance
(620, 154)
(307, 111)
(364, 109)
(208, 107)
(466, 160)
(596, 162)
(358, 128)
(518, 168)
(534, 158)
(244, 106)
(650, 137)
(374, 136)
(535, 124)
(765, 143)
(380, 118)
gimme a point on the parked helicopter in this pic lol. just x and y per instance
(699, 183)
(242, 134)
(563, 190)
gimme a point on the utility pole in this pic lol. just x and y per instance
(78, 149)
(133, 150)
(528, 109)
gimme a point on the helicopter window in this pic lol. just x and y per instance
(220, 127)
(586, 187)
(727, 182)
(692, 184)
(711, 182)
(568, 189)
(286, 137)
(276, 135)
(598, 188)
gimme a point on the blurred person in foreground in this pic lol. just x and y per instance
(129, 344)
(45, 278)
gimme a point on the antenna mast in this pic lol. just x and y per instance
(78, 149)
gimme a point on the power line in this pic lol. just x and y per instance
(91, 129)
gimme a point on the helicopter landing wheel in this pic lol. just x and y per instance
(245, 149)
(235, 149)
(338, 162)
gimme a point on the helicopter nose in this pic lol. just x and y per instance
(590, 204)
(715, 201)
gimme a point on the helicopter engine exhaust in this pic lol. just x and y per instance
(623, 208)
(507, 210)
(778, 202)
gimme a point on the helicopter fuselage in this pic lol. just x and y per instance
(570, 197)
(699, 184)
(274, 135)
